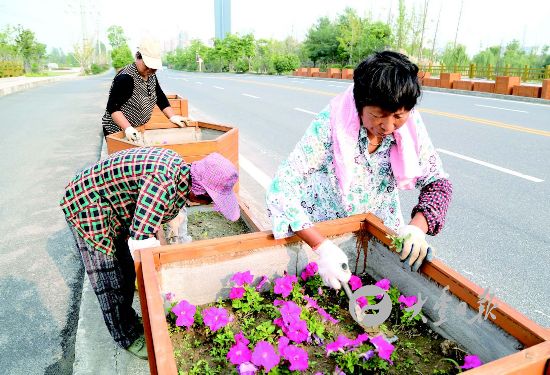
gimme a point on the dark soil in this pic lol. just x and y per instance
(203, 225)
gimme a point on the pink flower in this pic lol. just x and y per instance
(241, 278)
(169, 296)
(239, 337)
(283, 285)
(215, 318)
(407, 301)
(236, 292)
(310, 270)
(326, 315)
(264, 355)
(383, 284)
(247, 368)
(185, 313)
(297, 331)
(261, 283)
(361, 338)
(311, 303)
(239, 353)
(355, 282)
(297, 357)
(320, 291)
(362, 301)
(384, 348)
(283, 343)
(471, 361)
(289, 310)
(340, 343)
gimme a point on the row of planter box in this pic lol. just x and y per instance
(329, 73)
(509, 343)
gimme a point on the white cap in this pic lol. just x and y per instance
(150, 53)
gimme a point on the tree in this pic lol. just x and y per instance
(116, 36)
(322, 42)
(83, 54)
(285, 63)
(455, 55)
(375, 37)
(29, 49)
(350, 28)
(121, 55)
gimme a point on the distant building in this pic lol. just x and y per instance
(222, 12)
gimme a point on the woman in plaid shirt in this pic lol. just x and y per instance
(118, 205)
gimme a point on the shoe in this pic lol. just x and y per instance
(138, 348)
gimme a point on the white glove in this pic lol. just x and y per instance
(142, 244)
(179, 120)
(132, 134)
(415, 247)
(176, 231)
(330, 264)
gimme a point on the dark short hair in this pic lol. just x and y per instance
(138, 55)
(388, 80)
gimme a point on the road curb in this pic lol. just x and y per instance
(26, 85)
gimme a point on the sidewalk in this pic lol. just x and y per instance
(10, 85)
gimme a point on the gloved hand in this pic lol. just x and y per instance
(415, 247)
(132, 134)
(142, 244)
(179, 120)
(330, 264)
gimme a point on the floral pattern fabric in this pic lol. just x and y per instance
(305, 189)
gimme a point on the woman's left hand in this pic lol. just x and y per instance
(415, 248)
(179, 120)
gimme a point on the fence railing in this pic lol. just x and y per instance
(490, 72)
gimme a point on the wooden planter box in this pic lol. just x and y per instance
(179, 105)
(504, 84)
(463, 85)
(525, 90)
(198, 273)
(312, 71)
(484, 86)
(347, 74)
(446, 79)
(431, 82)
(545, 92)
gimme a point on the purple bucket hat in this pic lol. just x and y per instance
(216, 176)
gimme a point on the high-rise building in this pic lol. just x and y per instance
(222, 12)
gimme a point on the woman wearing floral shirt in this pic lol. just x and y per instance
(348, 164)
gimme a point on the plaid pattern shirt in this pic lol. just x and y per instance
(138, 189)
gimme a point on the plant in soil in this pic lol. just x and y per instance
(296, 325)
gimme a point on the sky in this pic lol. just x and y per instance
(483, 23)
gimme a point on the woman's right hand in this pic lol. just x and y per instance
(330, 264)
(132, 134)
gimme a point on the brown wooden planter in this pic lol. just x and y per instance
(179, 105)
(545, 92)
(431, 82)
(312, 71)
(463, 85)
(197, 272)
(347, 73)
(446, 79)
(527, 90)
(504, 84)
(484, 86)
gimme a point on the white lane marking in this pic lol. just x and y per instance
(504, 109)
(218, 87)
(339, 86)
(484, 98)
(255, 172)
(251, 96)
(198, 83)
(305, 111)
(489, 165)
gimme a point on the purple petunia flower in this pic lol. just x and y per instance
(326, 316)
(247, 368)
(264, 355)
(283, 285)
(320, 291)
(340, 343)
(310, 270)
(297, 357)
(282, 344)
(185, 313)
(355, 282)
(383, 348)
(407, 301)
(239, 353)
(383, 284)
(215, 318)
(236, 292)
(169, 296)
(471, 361)
(241, 278)
(362, 301)
(239, 337)
(367, 355)
(360, 339)
(261, 283)
(311, 303)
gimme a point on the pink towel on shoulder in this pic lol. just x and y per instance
(344, 125)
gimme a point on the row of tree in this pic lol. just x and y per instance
(344, 42)
(18, 44)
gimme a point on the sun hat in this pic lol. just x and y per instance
(150, 53)
(216, 176)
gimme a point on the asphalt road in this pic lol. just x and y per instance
(48, 133)
(497, 230)
(496, 151)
